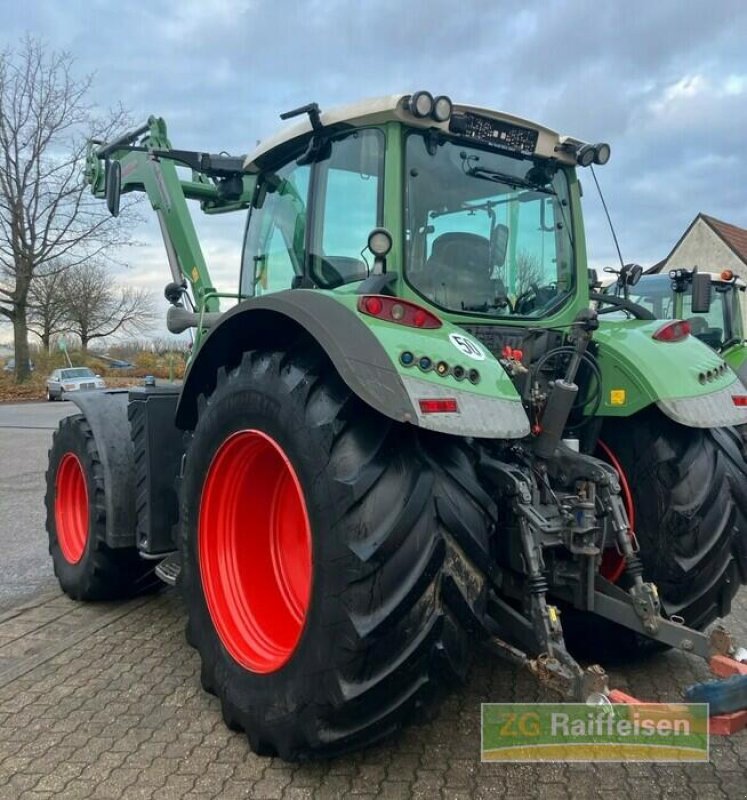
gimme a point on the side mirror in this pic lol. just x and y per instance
(636, 270)
(113, 186)
(498, 245)
(701, 299)
(594, 282)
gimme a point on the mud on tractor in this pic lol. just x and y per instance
(409, 434)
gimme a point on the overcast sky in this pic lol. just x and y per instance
(665, 83)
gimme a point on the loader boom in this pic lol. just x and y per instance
(217, 182)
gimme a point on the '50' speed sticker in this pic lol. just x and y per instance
(466, 346)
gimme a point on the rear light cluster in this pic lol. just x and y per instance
(441, 368)
(712, 374)
(394, 309)
(674, 331)
(739, 399)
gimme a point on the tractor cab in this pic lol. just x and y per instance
(482, 210)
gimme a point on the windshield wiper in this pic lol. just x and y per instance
(509, 180)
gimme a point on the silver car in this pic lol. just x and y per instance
(72, 379)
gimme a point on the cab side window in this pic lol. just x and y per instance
(348, 202)
(274, 243)
(345, 191)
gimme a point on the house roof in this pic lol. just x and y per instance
(733, 237)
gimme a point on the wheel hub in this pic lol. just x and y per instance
(254, 548)
(71, 508)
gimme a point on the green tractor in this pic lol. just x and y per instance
(712, 304)
(408, 433)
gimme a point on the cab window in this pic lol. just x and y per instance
(285, 241)
(274, 244)
(348, 189)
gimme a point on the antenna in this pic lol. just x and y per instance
(609, 219)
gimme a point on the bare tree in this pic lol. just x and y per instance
(47, 215)
(47, 311)
(97, 307)
(528, 271)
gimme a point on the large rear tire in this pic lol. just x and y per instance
(321, 576)
(689, 495)
(85, 566)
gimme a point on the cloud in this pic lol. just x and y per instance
(663, 82)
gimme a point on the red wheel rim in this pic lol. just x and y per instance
(613, 564)
(71, 508)
(254, 543)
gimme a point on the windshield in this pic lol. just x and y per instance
(82, 372)
(487, 233)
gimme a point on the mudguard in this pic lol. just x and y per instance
(106, 413)
(688, 381)
(365, 352)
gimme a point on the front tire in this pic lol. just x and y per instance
(86, 568)
(351, 630)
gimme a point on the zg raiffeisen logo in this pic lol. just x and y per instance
(536, 732)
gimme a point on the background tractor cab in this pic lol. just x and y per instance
(712, 304)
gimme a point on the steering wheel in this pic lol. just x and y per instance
(535, 296)
(526, 301)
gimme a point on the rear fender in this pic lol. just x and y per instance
(365, 352)
(688, 381)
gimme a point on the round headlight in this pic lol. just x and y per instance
(586, 155)
(602, 153)
(441, 108)
(380, 242)
(421, 104)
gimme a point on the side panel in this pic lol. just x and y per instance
(106, 413)
(687, 380)
(365, 352)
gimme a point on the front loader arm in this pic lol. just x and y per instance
(151, 167)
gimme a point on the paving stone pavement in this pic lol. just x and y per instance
(103, 701)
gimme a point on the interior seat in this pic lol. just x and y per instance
(457, 273)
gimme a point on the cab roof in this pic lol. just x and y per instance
(395, 107)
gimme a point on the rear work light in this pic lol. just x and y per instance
(673, 331)
(393, 309)
(739, 399)
(438, 405)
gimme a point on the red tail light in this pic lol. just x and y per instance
(393, 309)
(674, 331)
(438, 405)
(739, 399)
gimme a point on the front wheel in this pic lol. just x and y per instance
(85, 566)
(315, 553)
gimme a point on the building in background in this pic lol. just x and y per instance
(710, 245)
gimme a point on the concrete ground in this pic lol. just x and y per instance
(103, 701)
(25, 436)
